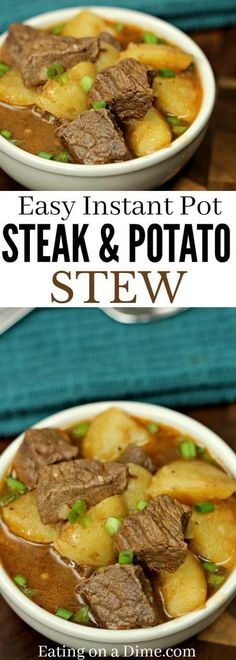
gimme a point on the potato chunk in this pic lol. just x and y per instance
(139, 480)
(107, 57)
(14, 92)
(92, 545)
(213, 535)
(192, 481)
(67, 101)
(185, 590)
(159, 56)
(22, 518)
(84, 24)
(149, 134)
(110, 433)
(177, 96)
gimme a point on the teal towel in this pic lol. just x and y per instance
(186, 14)
(56, 358)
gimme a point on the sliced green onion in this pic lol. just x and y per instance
(82, 616)
(210, 567)
(150, 38)
(166, 73)
(86, 521)
(126, 557)
(45, 154)
(187, 449)
(215, 580)
(205, 456)
(119, 26)
(179, 130)
(81, 429)
(9, 498)
(27, 591)
(77, 509)
(152, 427)
(62, 157)
(200, 450)
(6, 134)
(4, 68)
(173, 120)
(112, 525)
(14, 484)
(64, 614)
(55, 70)
(142, 504)
(58, 29)
(204, 507)
(99, 104)
(20, 580)
(63, 79)
(86, 83)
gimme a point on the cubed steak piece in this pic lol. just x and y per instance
(119, 598)
(60, 486)
(109, 39)
(156, 534)
(93, 138)
(125, 88)
(135, 454)
(41, 447)
(18, 36)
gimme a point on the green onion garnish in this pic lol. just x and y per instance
(99, 104)
(152, 427)
(204, 507)
(126, 557)
(20, 580)
(86, 83)
(179, 130)
(82, 616)
(86, 521)
(173, 120)
(142, 504)
(215, 580)
(8, 498)
(14, 484)
(58, 29)
(63, 613)
(81, 429)
(63, 79)
(55, 70)
(45, 154)
(119, 26)
(4, 68)
(62, 157)
(112, 525)
(210, 567)
(77, 509)
(27, 591)
(166, 73)
(187, 449)
(150, 38)
(6, 134)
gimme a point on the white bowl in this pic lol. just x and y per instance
(164, 635)
(143, 173)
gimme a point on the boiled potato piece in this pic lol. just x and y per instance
(14, 92)
(107, 57)
(177, 96)
(84, 24)
(67, 101)
(192, 481)
(92, 545)
(185, 590)
(110, 433)
(139, 480)
(149, 134)
(213, 535)
(159, 56)
(22, 518)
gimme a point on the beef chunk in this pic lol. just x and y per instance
(120, 598)
(135, 454)
(125, 88)
(59, 486)
(41, 447)
(34, 51)
(94, 138)
(156, 534)
(109, 39)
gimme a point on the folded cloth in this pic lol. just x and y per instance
(56, 358)
(194, 15)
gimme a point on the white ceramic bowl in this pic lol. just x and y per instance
(143, 173)
(166, 634)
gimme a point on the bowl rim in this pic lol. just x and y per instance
(110, 169)
(165, 630)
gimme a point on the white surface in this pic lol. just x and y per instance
(166, 634)
(11, 315)
(143, 173)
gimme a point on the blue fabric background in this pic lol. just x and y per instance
(186, 14)
(56, 358)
